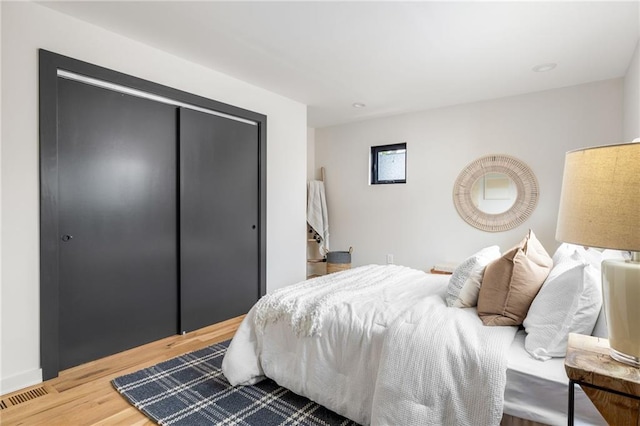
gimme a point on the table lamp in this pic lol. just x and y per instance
(600, 207)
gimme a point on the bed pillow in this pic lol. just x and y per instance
(511, 282)
(601, 329)
(464, 284)
(595, 257)
(565, 250)
(592, 255)
(568, 302)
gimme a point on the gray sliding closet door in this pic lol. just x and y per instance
(219, 214)
(118, 253)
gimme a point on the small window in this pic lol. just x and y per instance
(389, 164)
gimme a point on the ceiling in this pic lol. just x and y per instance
(395, 57)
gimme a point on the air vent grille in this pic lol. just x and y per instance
(22, 397)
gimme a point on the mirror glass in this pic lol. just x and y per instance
(495, 193)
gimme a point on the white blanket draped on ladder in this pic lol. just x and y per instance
(317, 214)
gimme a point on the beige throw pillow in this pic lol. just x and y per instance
(511, 282)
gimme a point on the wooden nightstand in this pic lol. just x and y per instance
(613, 387)
(443, 268)
(437, 271)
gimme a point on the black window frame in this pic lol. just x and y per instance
(375, 150)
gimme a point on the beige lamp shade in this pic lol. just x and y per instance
(600, 199)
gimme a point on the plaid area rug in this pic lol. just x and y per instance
(191, 390)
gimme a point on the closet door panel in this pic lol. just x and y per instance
(118, 221)
(219, 215)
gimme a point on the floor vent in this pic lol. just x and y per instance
(22, 397)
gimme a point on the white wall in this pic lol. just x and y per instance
(311, 153)
(417, 221)
(27, 27)
(632, 98)
(1, 233)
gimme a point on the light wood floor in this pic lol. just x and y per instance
(84, 395)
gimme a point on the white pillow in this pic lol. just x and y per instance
(615, 254)
(568, 302)
(600, 329)
(595, 257)
(563, 251)
(464, 284)
(592, 255)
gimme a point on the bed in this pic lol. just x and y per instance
(392, 352)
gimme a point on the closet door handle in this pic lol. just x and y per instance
(66, 237)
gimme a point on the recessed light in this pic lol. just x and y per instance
(358, 105)
(544, 67)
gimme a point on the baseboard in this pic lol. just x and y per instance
(20, 381)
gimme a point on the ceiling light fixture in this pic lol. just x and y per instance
(544, 67)
(358, 105)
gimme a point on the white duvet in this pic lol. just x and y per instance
(442, 366)
(389, 353)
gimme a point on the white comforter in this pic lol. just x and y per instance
(363, 364)
(441, 366)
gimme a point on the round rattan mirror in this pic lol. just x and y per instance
(495, 193)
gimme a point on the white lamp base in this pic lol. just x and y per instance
(621, 293)
(627, 359)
